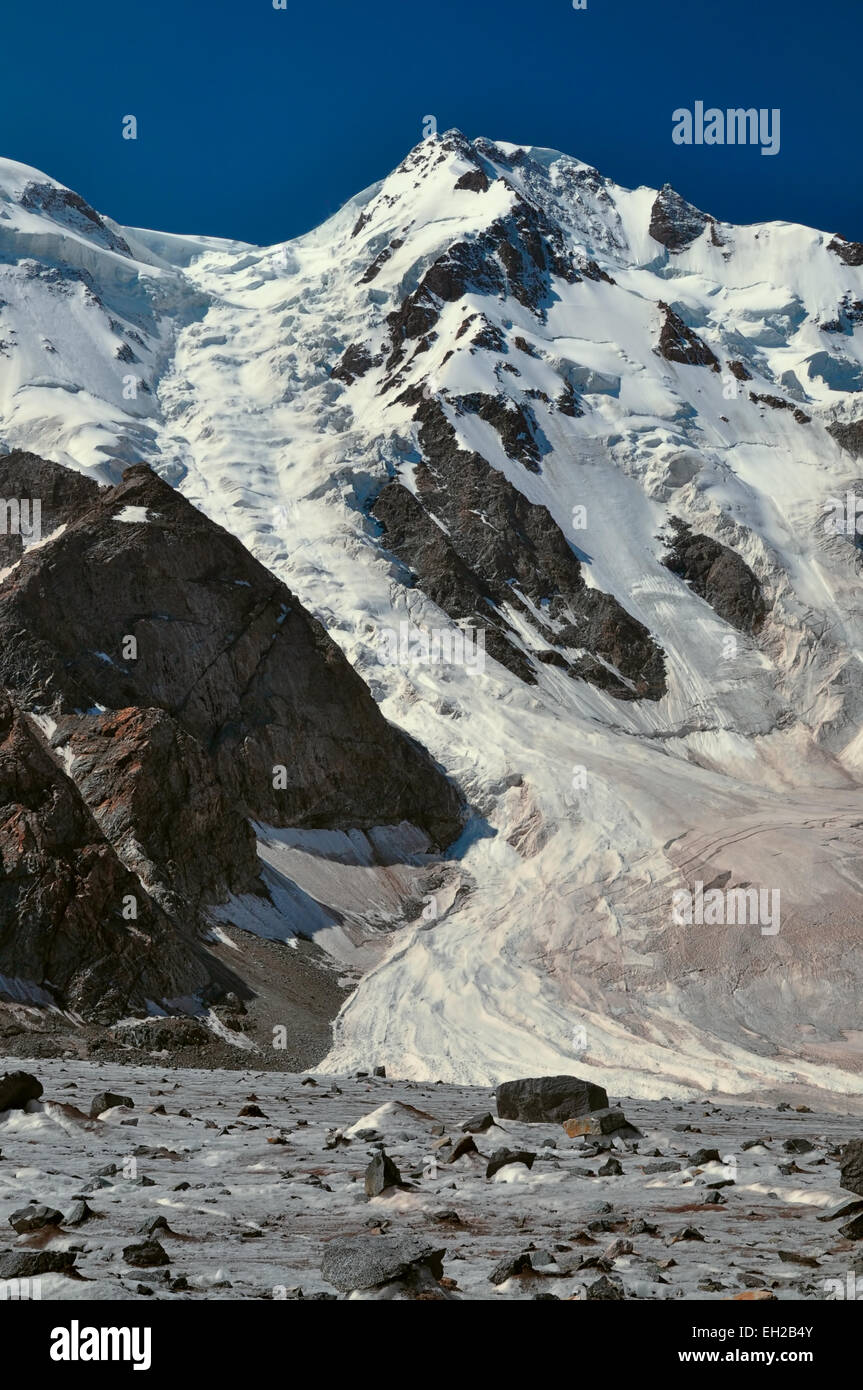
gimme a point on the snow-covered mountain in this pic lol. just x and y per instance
(613, 435)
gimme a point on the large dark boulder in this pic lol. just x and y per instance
(30, 1264)
(364, 1262)
(106, 1100)
(17, 1088)
(851, 1167)
(381, 1174)
(34, 1218)
(549, 1099)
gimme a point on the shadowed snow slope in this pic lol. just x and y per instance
(480, 394)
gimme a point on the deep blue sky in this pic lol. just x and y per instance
(257, 123)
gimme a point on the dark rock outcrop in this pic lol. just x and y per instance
(738, 370)
(850, 252)
(154, 792)
(674, 222)
(718, 575)
(63, 891)
(165, 610)
(778, 403)
(851, 1167)
(71, 210)
(17, 1089)
(497, 547)
(548, 1099)
(519, 254)
(513, 421)
(365, 1262)
(848, 436)
(474, 180)
(46, 496)
(183, 691)
(354, 362)
(677, 343)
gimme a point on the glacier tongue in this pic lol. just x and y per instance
(475, 273)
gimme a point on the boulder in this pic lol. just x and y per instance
(29, 1264)
(146, 1255)
(106, 1100)
(381, 1174)
(501, 1157)
(17, 1088)
(510, 1268)
(851, 1166)
(364, 1262)
(478, 1124)
(546, 1099)
(33, 1218)
(605, 1121)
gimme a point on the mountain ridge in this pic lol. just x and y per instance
(627, 386)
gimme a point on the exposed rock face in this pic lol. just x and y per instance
(849, 436)
(851, 252)
(70, 209)
(517, 254)
(224, 649)
(738, 370)
(514, 422)
(551, 1099)
(62, 894)
(154, 792)
(674, 222)
(354, 362)
(778, 403)
(677, 343)
(497, 546)
(61, 495)
(717, 575)
(474, 180)
(161, 688)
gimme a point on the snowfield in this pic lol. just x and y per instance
(213, 362)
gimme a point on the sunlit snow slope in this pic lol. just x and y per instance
(658, 364)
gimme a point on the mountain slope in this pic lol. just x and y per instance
(501, 391)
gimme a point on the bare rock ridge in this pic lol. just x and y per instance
(674, 222)
(62, 890)
(161, 689)
(718, 575)
(499, 548)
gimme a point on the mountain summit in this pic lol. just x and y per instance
(607, 433)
